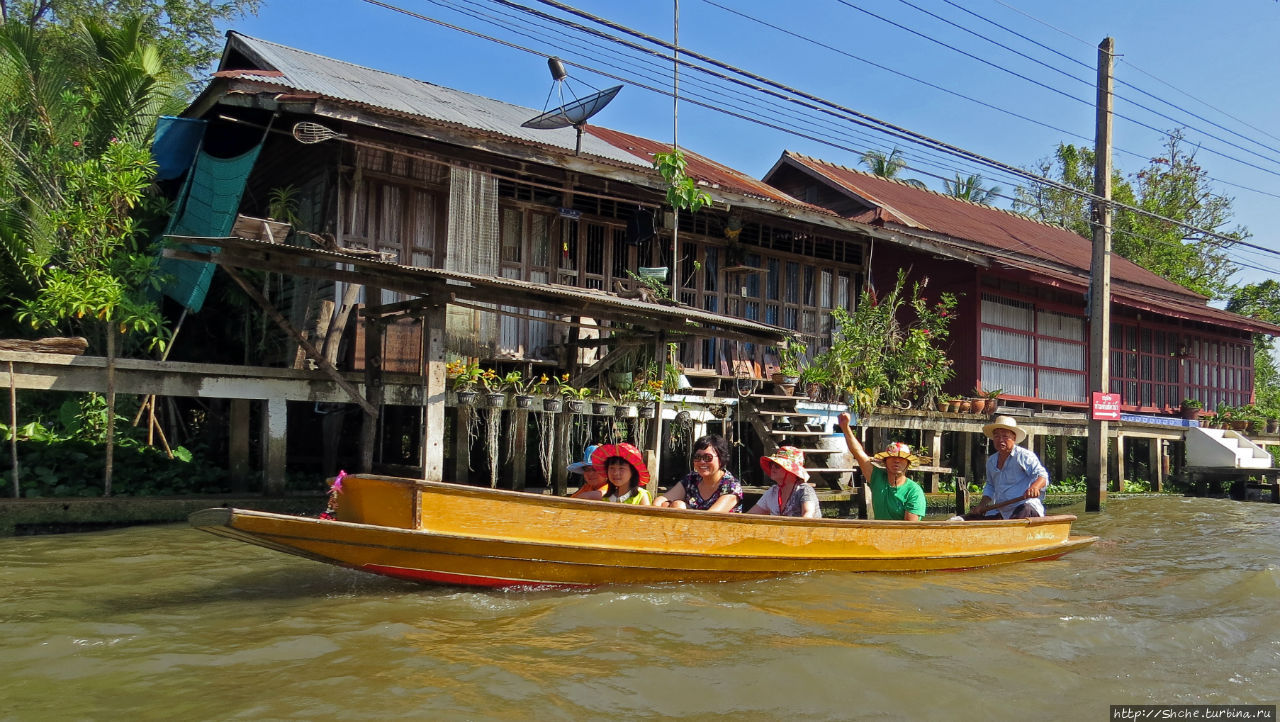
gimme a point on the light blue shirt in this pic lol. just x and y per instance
(1021, 469)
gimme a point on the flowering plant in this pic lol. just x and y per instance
(464, 374)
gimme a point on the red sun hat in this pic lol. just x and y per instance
(627, 453)
(789, 458)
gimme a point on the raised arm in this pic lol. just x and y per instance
(855, 447)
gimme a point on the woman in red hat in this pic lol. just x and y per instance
(791, 494)
(624, 467)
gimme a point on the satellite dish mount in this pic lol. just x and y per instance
(573, 113)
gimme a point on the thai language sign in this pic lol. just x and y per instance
(1106, 407)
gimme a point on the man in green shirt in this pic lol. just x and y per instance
(893, 495)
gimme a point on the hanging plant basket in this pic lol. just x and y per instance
(524, 401)
(625, 411)
(466, 398)
(552, 405)
(648, 411)
(576, 406)
(600, 408)
(495, 400)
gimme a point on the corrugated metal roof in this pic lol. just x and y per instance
(308, 72)
(701, 168)
(1002, 231)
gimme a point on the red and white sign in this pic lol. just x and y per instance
(1106, 407)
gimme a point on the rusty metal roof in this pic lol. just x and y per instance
(708, 172)
(891, 203)
(281, 65)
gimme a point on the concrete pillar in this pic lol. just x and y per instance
(1116, 464)
(275, 426)
(1060, 463)
(967, 468)
(238, 444)
(934, 440)
(1155, 462)
(434, 393)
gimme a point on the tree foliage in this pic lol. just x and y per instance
(185, 32)
(888, 166)
(1173, 186)
(971, 189)
(1261, 301)
(76, 118)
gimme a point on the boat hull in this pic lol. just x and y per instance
(455, 534)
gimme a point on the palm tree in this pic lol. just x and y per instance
(887, 166)
(971, 189)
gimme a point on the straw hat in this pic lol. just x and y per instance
(789, 458)
(899, 450)
(578, 467)
(1006, 422)
(627, 453)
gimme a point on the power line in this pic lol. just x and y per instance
(965, 154)
(1058, 91)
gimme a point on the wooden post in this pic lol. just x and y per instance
(434, 392)
(275, 427)
(966, 455)
(462, 444)
(238, 444)
(1060, 463)
(1100, 282)
(865, 507)
(1155, 462)
(562, 456)
(935, 450)
(1117, 464)
(962, 496)
(111, 408)
(13, 430)
(372, 380)
(516, 467)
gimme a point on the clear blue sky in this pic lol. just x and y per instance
(1223, 53)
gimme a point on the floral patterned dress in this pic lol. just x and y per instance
(729, 484)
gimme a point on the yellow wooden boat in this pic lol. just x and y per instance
(454, 534)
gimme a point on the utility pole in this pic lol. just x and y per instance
(1100, 282)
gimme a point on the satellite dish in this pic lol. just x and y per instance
(575, 113)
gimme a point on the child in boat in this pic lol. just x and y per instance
(593, 478)
(791, 494)
(625, 472)
(893, 495)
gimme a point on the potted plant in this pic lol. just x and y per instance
(1191, 409)
(789, 357)
(464, 375)
(942, 402)
(494, 388)
(549, 387)
(575, 398)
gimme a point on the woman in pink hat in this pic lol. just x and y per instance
(626, 473)
(791, 494)
(893, 495)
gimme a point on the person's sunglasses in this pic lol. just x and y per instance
(708, 458)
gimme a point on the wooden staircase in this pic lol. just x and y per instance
(778, 422)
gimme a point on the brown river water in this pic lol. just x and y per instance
(1179, 603)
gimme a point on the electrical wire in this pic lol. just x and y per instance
(1084, 195)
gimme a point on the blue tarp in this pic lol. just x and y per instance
(175, 145)
(207, 208)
